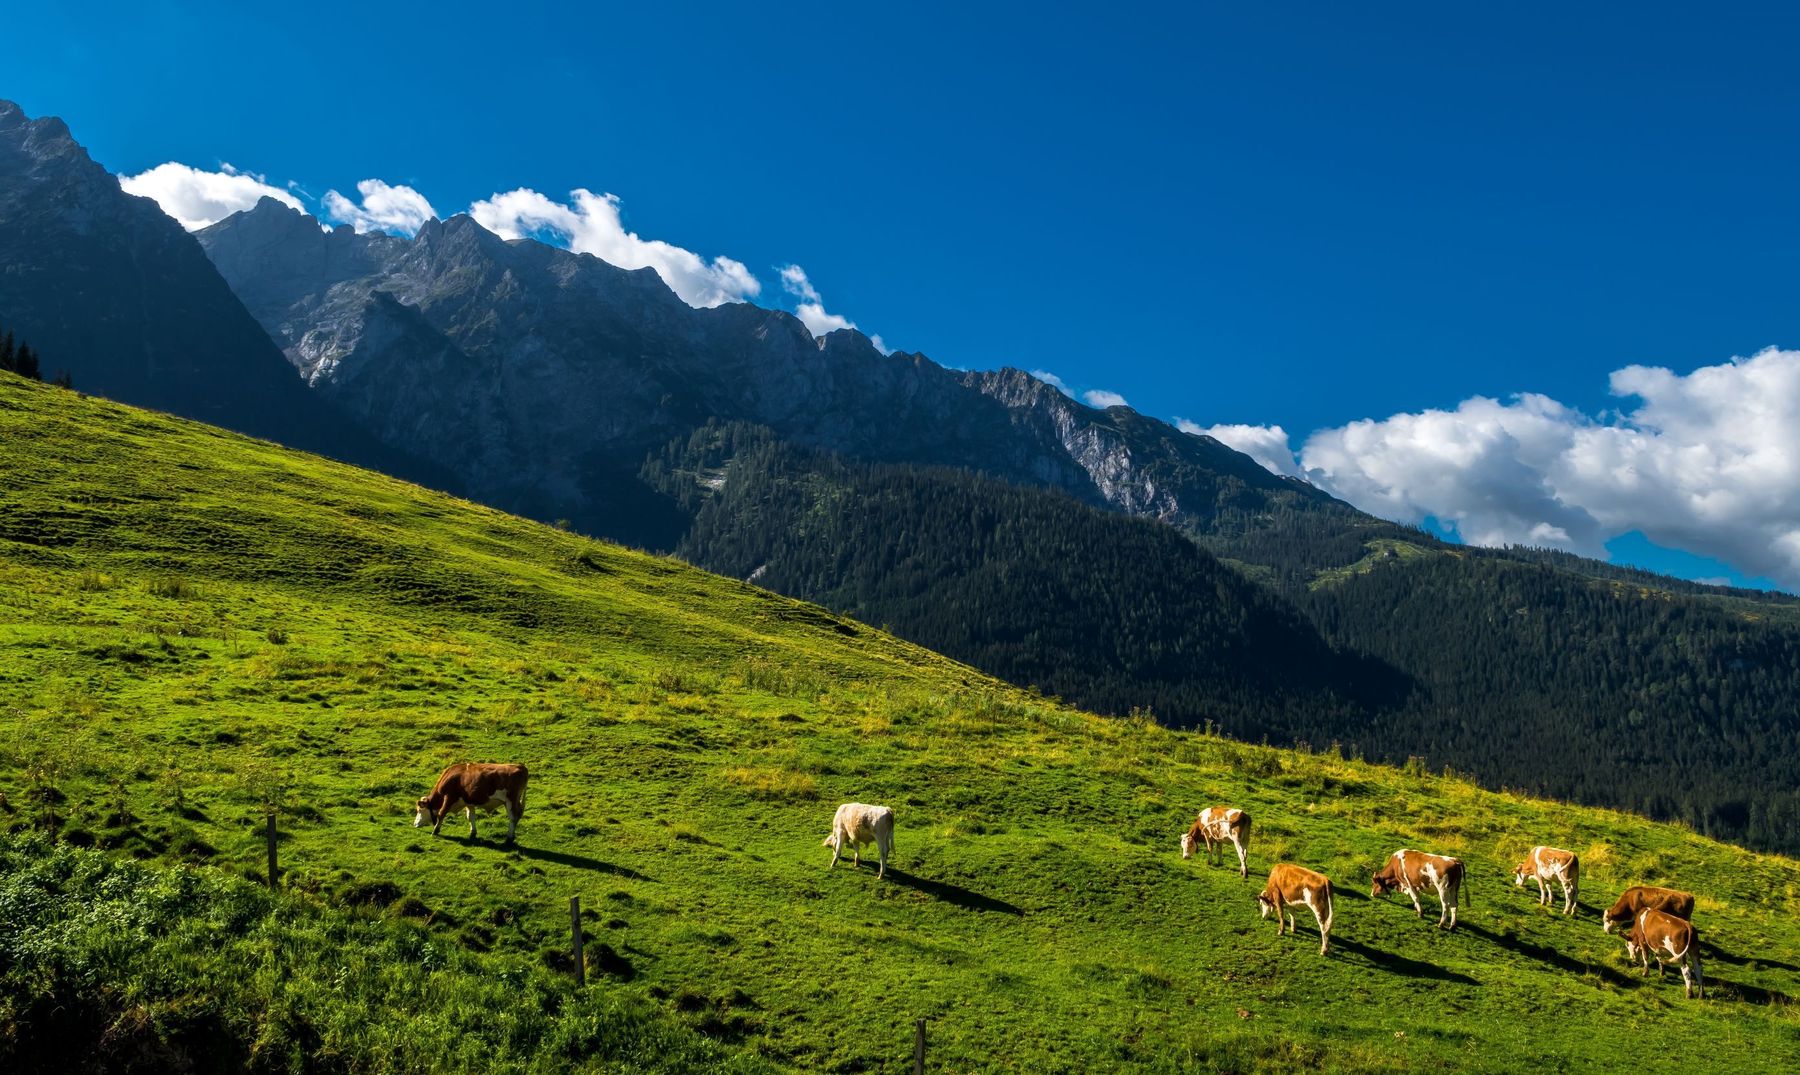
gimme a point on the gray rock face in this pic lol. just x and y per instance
(542, 377)
(110, 289)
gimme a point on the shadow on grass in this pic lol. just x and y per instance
(1398, 964)
(1714, 954)
(956, 894)
(577, 862)
(1753, 994)
(1546, 954)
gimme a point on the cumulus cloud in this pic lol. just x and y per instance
(1100, 397)
(1267, 445)
(811, 309)
(1708, 462)
(199, 198)
(591, 224)
(1054, 381)
(399, 210)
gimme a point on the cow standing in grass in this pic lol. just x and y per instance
(1290, 885)
(1546, 864)
(1412, 871)
(1217, 826)
(857, 824)
(1647, 897)
(475, 786)
(1667, 939)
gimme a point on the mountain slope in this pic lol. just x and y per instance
(1020, 582)
(544, 377)
(110, 289)
(192, 623)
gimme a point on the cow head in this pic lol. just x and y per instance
(423, 811)
(1187, 845)
(1521, 872)
(1384, 884)
(1607, 921)
(1266, 902)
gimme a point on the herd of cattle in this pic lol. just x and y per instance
(1657, 921)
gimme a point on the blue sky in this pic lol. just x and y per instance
(1299, 215)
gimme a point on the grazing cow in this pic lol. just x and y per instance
(1647, 897)
(1412, 871)
(472, 786)
(1290, 885)
(1219, 825)
(1668, 939)
(1546, 864)
(857, 824)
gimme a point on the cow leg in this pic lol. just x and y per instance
(437, 822)
(837, 848)
(469, 812)
(513, 810)
(856, 855)
(1243, 858)
(881, 856)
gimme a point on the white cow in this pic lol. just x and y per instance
(857, 824)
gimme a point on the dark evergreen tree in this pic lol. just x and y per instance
(25, 363)
(6, 353)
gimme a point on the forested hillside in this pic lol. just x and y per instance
(1527, 670)
(1112, 613)
(1681, 706)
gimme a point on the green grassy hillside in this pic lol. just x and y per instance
(192, 623)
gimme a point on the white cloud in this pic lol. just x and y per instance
(1100, 397)
(399, 210)
(1267, 445)
(811, 309)
(592, 225)
(1708, 462)
(1054, 381)
(197, 198)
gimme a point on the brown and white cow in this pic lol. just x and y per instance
(1218, 826)
(1667, 939)
(1647, 897)
(475, 786)
(1413, 871)
(1546, 864)
(857, 824)
(1289, 886)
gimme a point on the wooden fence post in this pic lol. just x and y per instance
(919, 1047)
(575, 938)
(274, 870)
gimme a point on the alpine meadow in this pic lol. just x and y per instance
(1148, 538)
(197, 628)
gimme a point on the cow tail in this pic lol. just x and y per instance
(1462, 885)
(1330, 908)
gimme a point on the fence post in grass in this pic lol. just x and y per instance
(919, 1047)
(575, 939)
(274, 871)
